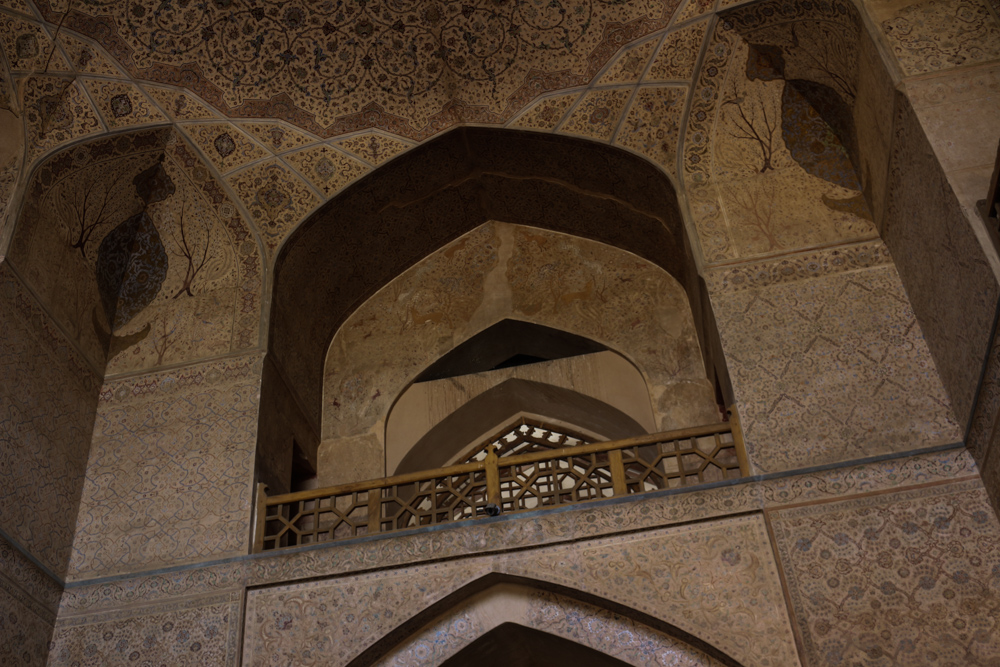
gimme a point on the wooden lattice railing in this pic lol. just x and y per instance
(496, 485)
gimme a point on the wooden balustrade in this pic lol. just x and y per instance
(506, 484)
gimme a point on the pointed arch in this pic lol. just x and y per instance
(445, 628)
(425, 198)
(497, 406)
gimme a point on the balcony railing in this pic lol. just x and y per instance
(501, 485)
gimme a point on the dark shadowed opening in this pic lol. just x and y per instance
(513, 645)
(509, 343)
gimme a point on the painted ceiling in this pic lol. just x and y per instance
(265, 110)
(334, 67)
(287, 104)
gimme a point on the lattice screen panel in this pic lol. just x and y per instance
(526, 438)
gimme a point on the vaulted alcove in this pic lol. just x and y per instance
(550, 205)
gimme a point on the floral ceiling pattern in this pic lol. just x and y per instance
(316, 64)
(279, 106)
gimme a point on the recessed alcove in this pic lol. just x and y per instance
(484, 198)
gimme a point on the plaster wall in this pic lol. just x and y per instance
(942, 139)
(30, 600)
(152, 271)
(868, 554)
(788, 166)
(605, 631)
(170, 474)
(827, 359)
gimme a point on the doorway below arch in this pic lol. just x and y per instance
(517, 625)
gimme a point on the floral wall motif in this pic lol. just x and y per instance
(199, 630)
(599, 43)
(362, 63)
(771, 145)
(596, 115)
(373, 147)
(48, 398)
(151, 601)
(618, 73)
(11, 146)
(936, 35)
(170, 474)
(291, 623)
(123, 104)
(652, 125)
(276, 198)
(188, 290)
(827, 359)
(56, 111)
(716, 581)
(896, 579)
(178, 105)
(585, 624)
(497, 536)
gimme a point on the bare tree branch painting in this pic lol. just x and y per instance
(84, 212)
(754, 124)
(189, 251)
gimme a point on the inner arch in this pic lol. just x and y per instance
(504, 401)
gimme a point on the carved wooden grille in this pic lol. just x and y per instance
(537, 470)
(675, 463)
(525, 438)
(558, 481)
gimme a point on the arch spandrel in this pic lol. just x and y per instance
(156, 265)
(516, 625)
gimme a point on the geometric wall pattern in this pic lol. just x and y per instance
(187, 435)
(827, 358)
(677, 572)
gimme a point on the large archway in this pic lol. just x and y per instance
(427, 198)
